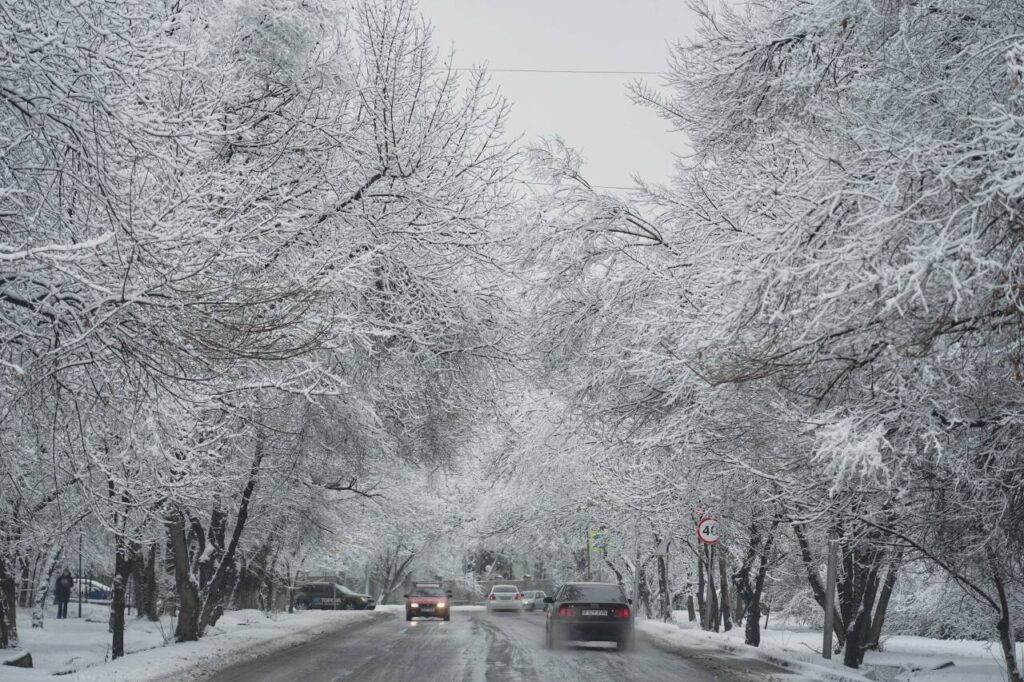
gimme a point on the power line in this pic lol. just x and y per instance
(553, 184)
(566, 71)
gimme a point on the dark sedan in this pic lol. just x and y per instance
(327, 595)
(589, 612)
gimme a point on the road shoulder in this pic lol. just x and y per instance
(265, 636)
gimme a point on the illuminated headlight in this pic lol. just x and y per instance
(414, 605)
(441, 605)
(363, 599)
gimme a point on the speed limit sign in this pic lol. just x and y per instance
(707, 530)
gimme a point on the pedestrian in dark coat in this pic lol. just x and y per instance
(63, 592)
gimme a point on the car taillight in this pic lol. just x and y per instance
(491, 596)
(620, 612)
(518, 596)
(564, 611)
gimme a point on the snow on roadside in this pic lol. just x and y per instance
(78, 649)
(903, 658)
(670, 637)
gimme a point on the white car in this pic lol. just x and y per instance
(505, 598)
(534, 600)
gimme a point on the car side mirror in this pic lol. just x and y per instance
(629, 601)
(449, 594)
(549, 600)
(405, 596)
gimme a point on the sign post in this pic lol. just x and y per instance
(707, 536)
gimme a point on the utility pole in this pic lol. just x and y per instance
(80, 569)
(636, 564)
(830, 601)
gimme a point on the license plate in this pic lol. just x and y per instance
(594, 612)
(426, 608)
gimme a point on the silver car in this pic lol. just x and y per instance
(533, 600)
(505, 598)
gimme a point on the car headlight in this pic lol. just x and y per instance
(414, 605)
(441, 605)
(363, 599)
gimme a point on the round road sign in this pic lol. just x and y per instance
(707, 530)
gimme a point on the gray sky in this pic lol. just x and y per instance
(592, 112)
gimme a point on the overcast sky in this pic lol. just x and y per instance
(592, 112)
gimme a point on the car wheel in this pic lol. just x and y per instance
(347, 606)
(627, 643)
(301, 605)
(447, 617)
(408, 616)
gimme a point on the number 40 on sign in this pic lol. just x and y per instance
(707, 530)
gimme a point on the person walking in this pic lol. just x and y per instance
(63, 592)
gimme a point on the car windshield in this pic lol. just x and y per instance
(606, 593)
(315, 587)
(504, 588)
(427, 592)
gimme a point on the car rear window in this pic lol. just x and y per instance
(607, 593)
(504, 588)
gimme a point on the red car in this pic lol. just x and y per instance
(428, 600)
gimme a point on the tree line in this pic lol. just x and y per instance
(251, 260)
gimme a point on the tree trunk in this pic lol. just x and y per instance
(222, 583)
(883, 601)
(714, 617)
(43, 588)
(122, 571)
(138, 570)
(149, 592)
(690, 613)
(724, 586)
(739, 610)
(1003, 625)
(645, 593)
(25, 595)
(8, 607)
(817, 589)
(185, 585)
(664, 598)
(857, 592)
(748, 593)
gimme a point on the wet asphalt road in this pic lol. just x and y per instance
(472, 647)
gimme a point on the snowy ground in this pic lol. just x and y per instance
(79, 648)
(903, 659)
(82, 646)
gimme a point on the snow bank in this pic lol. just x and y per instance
(79, 649)
(670, 637)
(903, 658)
